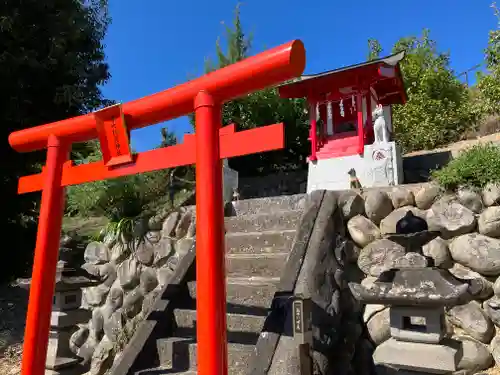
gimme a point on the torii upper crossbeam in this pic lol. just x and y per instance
(112, 127)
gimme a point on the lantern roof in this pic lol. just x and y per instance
(382, 75)
(410, 286)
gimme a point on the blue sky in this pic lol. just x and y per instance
(156, 44)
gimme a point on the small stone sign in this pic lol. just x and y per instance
(302, 320)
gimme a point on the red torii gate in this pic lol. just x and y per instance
(112, 127)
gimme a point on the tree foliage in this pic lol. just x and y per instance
(128, 197)
(374, 49)
(124, 197)
(51, 66)
(489, 84)
(168, 138)
(438, 110)
(260, 108)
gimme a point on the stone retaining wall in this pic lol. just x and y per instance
(417, 169)
(285, 183)
(132, 275)
(468, 246)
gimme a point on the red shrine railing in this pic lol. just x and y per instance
(111, 126)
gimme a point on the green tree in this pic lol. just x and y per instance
(489, 84)
(438, 109)
(167, 138)
(52, 64)
(183, 176)
(261, 108)
(374, 49)
(238, 45)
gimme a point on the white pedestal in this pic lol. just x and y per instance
(381, 165)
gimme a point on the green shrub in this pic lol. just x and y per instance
(118, 198)
(122, 229)
(115, 199)
(124, 197)
(475, 167)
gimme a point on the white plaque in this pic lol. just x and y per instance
(381, 168)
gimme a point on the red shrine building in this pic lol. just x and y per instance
(351, 123)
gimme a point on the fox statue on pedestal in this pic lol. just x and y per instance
(380, 129)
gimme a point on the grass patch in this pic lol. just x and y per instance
(90, 227)
(474, 168)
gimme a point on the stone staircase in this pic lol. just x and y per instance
(259, 237)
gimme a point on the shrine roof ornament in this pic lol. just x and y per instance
(382, 75)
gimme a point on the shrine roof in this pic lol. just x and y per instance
(357, 76)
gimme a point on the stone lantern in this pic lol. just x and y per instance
(416, 298)
(66, 314)
(66, 310)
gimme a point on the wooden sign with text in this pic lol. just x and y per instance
(113, 136)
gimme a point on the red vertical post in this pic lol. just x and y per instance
(45, 262)
(313, 131)
(210, 257)
(368, 121)
(323, 134)
(361, 132)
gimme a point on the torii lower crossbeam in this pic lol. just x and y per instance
(232, 144)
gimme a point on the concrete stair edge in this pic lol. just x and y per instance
(263, 222)
(178, 353)
(244, 292)
(237, 323)
(267, 265)
(263, 242)
(268, 204)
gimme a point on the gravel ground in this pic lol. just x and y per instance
(13, 304)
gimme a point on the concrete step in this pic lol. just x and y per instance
(246, 294)
(236, 323)
(260, 242)
(338, 151)
(181, 353)
(165, 371)
(269, 204)
(249, 265)
(263, 222)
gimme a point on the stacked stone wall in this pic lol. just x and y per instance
(468, 222)
(132, 272)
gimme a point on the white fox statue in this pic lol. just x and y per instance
(380, 130)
